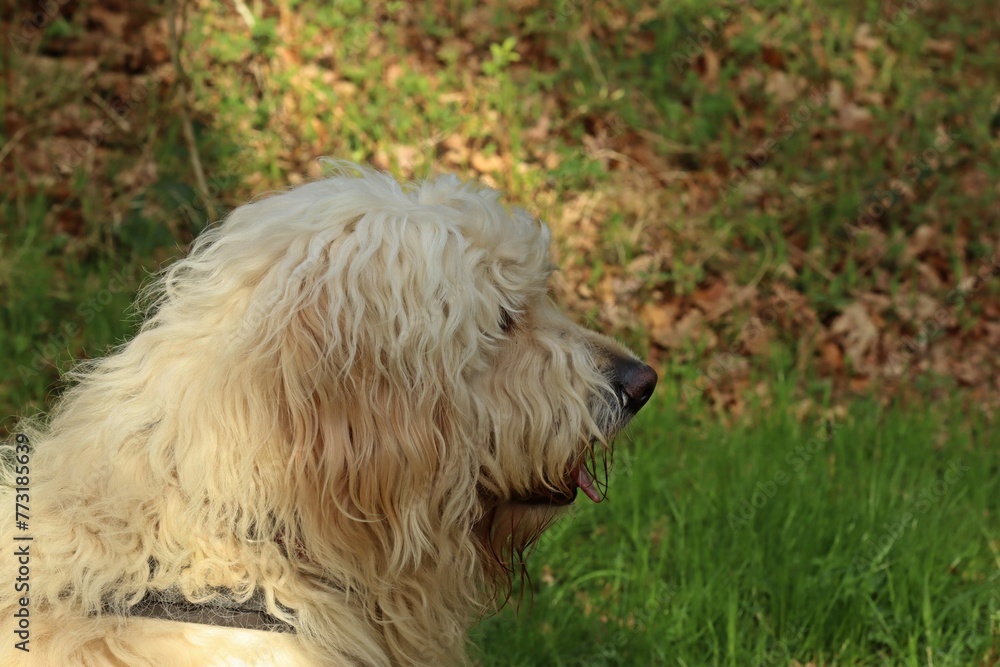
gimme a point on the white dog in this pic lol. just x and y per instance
(348, 413)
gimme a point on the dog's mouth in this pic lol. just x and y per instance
(577, 479)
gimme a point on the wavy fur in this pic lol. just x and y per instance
(331, 404)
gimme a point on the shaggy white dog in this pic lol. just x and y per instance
(348, 413)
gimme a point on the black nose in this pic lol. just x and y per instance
(634, 381)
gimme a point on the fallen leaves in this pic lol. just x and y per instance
(857, 334)
(659, 322)
(488, 164)
(644, 240)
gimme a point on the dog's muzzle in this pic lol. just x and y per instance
(632, 383)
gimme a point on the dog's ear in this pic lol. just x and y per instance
(379, 334)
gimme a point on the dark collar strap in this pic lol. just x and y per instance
(251, 615)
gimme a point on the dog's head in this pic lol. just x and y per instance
(434, 406)
(556, 396)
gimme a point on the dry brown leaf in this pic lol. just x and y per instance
(940, 47)
(837, 95)
(659, 322)
(915, 308)
(540, 130)
(711, 76)
(972, 372)
(642, 265)
(692, 327)
(831, 357)
(392, 74)
(772, 57)
(864, 71)
(863, 38)
(398, 155)
(876, 304)
(345, 89)
(929, 279)
(857, 333)
(783, 87)
(853, 118)
(487, 164)
(714, 297)
(755, 338)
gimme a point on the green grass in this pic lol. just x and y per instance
(55, 310)
(870, 539)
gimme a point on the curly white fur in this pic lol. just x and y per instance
(335, 401)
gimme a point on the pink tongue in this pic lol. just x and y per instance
(585, 482)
